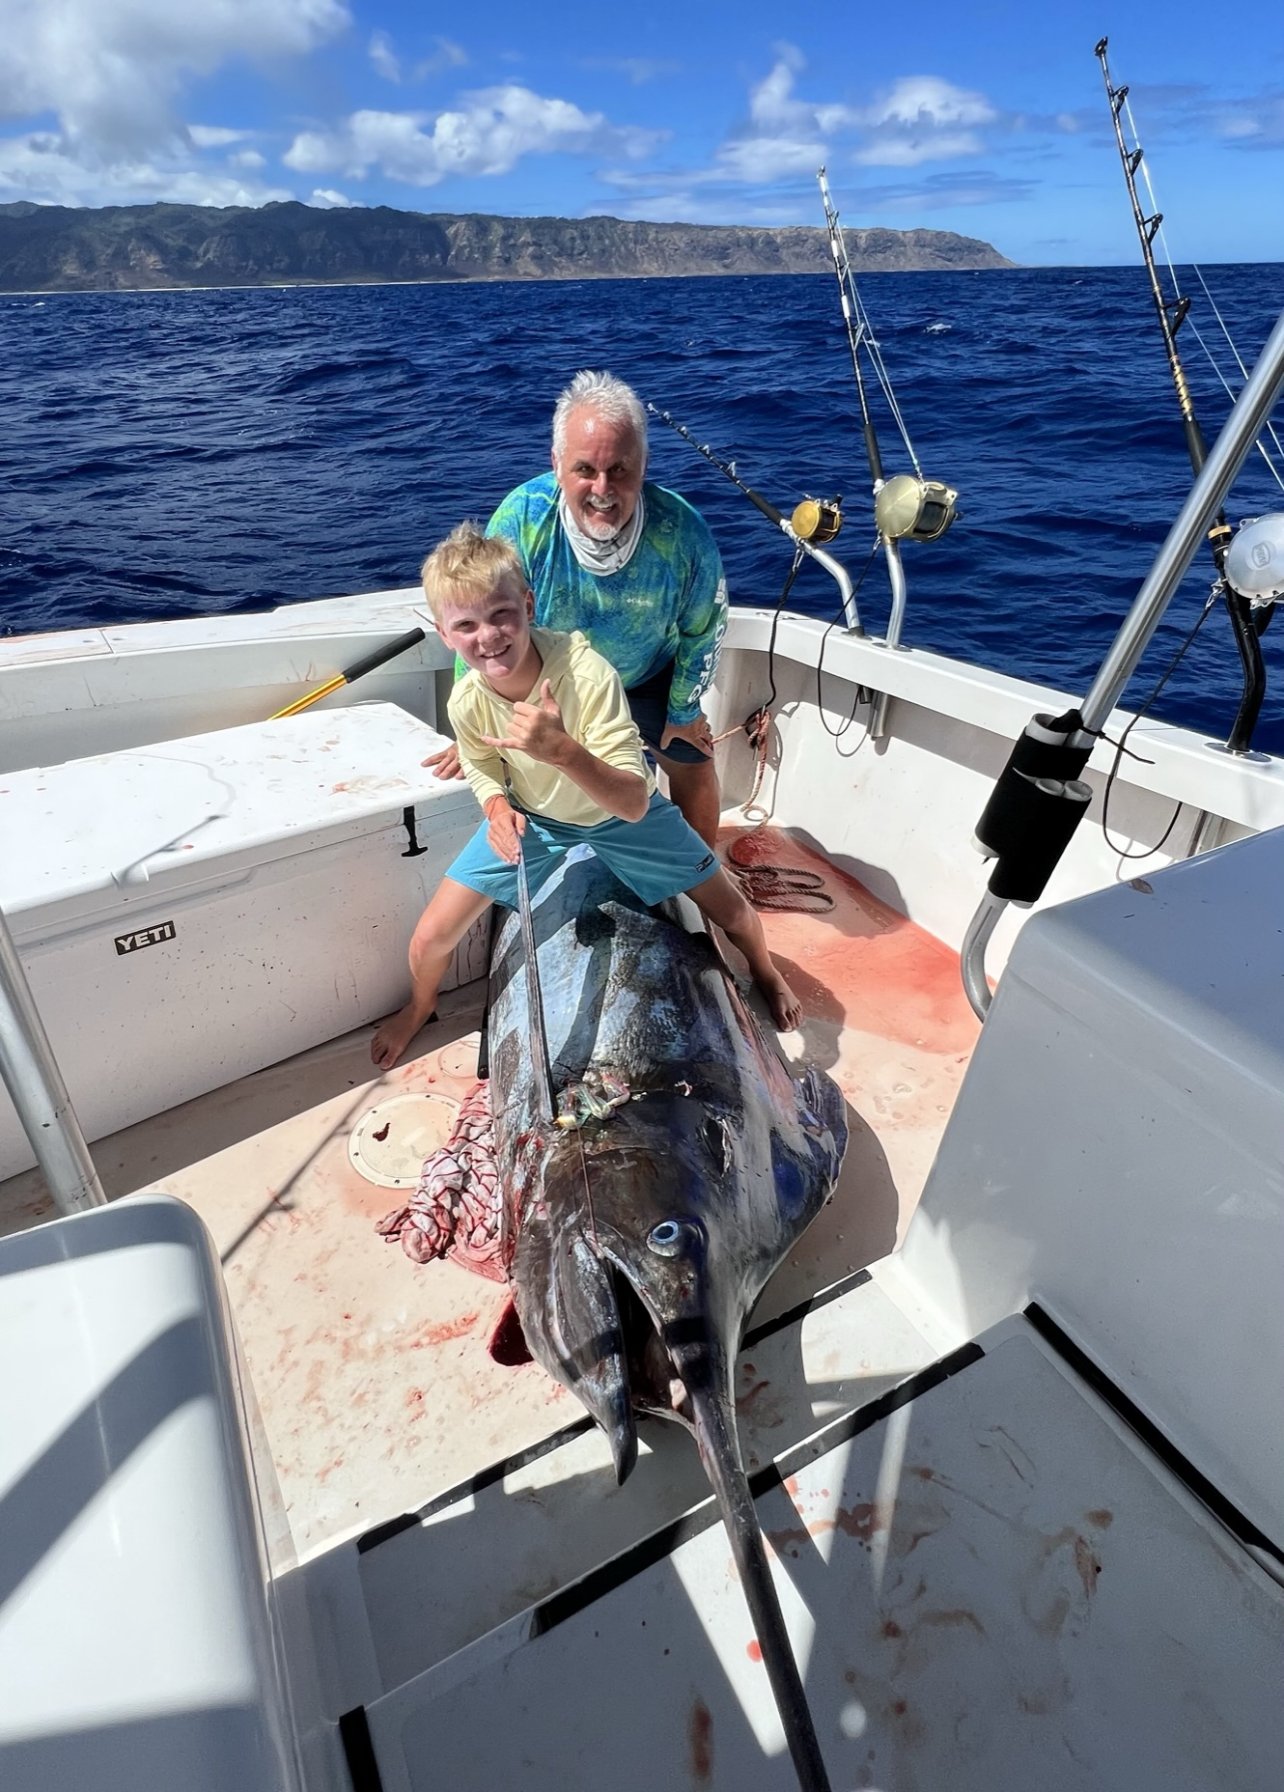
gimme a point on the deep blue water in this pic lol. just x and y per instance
(166, 454)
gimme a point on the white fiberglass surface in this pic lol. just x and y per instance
(994, 1586)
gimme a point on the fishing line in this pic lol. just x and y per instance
(1142, 167)
(862, 693)
(785, 888)
(856, 320)
(757, 726)
(588, 1194)
(1246, 625)
(1226, 385)
(1121, 745)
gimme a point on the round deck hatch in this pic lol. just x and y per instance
(388, 1145)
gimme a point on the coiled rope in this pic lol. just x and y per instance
(788, 888)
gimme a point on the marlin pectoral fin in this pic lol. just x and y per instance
(822, 1108)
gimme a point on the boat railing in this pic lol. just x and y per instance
(1037, 802)
(31, 1075)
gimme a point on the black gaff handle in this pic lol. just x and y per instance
(382, 655)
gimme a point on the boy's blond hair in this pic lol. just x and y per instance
(469, 565)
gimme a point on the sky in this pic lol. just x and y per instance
(987, 120)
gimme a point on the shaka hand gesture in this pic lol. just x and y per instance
(536, 729)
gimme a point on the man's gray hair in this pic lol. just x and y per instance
(610, 398)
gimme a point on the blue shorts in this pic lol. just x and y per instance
(657, 857)
(649, 702)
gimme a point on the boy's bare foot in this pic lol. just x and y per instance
(394, 1035)
(786, 1009)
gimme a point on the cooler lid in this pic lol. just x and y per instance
(182, 811)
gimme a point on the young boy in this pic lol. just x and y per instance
(543, 714)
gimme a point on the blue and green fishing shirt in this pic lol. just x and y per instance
(668, 603)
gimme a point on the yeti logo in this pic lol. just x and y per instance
(146, 936)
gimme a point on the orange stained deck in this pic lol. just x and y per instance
(371, 1372)
(885, 1015)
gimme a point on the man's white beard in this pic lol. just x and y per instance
(597, 524)
(602, 550)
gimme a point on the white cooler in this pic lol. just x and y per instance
(192, 911)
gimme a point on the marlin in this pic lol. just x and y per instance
(640, 1224)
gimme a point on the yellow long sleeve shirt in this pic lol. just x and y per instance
(595, 712)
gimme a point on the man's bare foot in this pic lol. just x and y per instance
(786, 1009)
(395, 1034)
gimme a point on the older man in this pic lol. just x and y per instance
(634, 567)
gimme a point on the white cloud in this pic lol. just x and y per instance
(111, 71)
(38, 166)
(920, 118)
(776, 113)
(326, 199)
(772, 103)
(384, 58)
(247, 158)
(1257, 124)
(759, 160)
(783, 137)
(495, 128)
(214, 136)
(446, 55)
(387, 62)
(926, 102)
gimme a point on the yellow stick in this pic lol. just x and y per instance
(379, 657)
(314, 696)
(322, 690)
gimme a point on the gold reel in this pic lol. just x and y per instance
(817, 520)
(907, 508)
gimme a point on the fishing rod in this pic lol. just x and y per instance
(906, 507)
(1040, 798)
(1251, 611)
(534, 999)
(814, 521)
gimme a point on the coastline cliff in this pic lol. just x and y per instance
(53, 248)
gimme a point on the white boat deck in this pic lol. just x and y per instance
(994, 1585)
(372, 1374)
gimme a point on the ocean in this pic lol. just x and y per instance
(175, 453)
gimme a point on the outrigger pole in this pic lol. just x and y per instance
(1247, 620)
(1040, 799)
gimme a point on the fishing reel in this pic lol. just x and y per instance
(1254, 563)
(817, 520)
(908, 508)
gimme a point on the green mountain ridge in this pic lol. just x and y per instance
(115, 248)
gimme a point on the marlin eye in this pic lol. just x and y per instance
(671, 1237)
